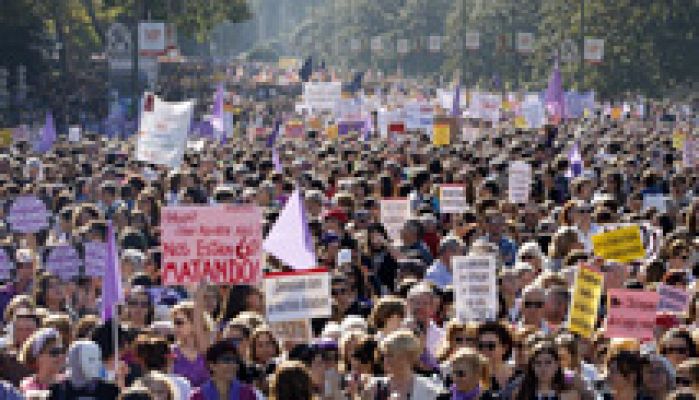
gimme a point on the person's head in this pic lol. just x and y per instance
(657, 374)
(411, 232)
(139, 308)
(342, 291)
(152, 352)
(60, 322)
(43, 352)
(533, 301)
(238, 332)
(563, 241)
(24, 265)
(677, 345)
(242, 298)
(159, 386)
(688, 374)
(494, 341)
(291, 381)
(458, 335)
(24, 323)
(544, 368)
(469, 369)
(449, 247)
(264, 346)
(422, 303)
(494, 223)
(557, 300)
(400, 351)
(363, 358)
(348, 343)
(388, 313)
(183, 320)
(224, 361)
(624, 369)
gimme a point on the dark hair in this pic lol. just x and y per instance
(236, 301)
(153, 352)
(683, 334)
(629, 364)
(291, 381)
(220, 348)
(501, 331)
(530, 382)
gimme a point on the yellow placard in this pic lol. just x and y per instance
(622, 245)
(616, 113)
(440, 135)
(678, 138)
(5, 137)
(521, 122)
(331, 131)
(585, 301)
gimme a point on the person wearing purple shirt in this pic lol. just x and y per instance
(192, 339)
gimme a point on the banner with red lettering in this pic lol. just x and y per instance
(222, 244)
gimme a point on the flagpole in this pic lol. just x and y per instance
(115, 337)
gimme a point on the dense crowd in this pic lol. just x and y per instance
(393, 332)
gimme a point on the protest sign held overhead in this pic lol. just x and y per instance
(297, 295)
(673, 299)
(519, 182)
(622, 245)
(163, 131)
(220, 244)
(452, 199)
(475, 288)
(394, 213)
(28, 214)
(631, 313)
(587, 293)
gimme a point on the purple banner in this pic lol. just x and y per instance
(63, 261)
(95, 258)
(28, 214)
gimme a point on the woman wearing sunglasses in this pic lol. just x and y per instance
(192, 339)
(139, 309)
(544, 378)
(470, 374)
(44, 354)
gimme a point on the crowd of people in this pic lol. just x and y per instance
(393, 332)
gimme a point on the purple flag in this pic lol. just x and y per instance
(554, 98)
(48, 135)
(217, 114)
(272, 138)
(289, 240)
(575, 161)
(456, 103)
(275, 160)
(112, 292)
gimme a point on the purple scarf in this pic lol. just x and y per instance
(470, 395)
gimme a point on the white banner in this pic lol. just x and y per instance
(519, 182)
(74, 133)
(163, 132)
(322, 95)
(533, 112)
(594, 50)
(475, 287)
(435, 43)
(297, 295)
(376, 44)
(402, 46)
(394, 213)
(472, 40)
(419, 115)
(151, 38)
(525, 42)
(485, 106)
(452, 199)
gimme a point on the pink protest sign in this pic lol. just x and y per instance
(631, 313)
(221, 244)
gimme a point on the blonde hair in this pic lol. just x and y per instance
(36, 343)
(345, 340)
(476, 361)
(401, 341)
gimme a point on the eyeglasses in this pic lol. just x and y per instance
(179, 322)
(675, 350)
(681, 381)
(55, 352)
(136, 303)
(460, 373)
(533, 304)
(228, 359)
(490, 346)
(461, 339)
(544, 362)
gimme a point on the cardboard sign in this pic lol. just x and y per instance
(74, 133)
(587, 292)
(441, 135)
(63, 261)
(631, 313)
(452, 199)
(673, 299)
(322, 95)
(297, 295)
(6, 265)
(519, 182)
(475, 287)
(622, 245)
(221, 244)
(163, 131)
(292, 333)
(28, 214)
(95, 258)
(394, 213)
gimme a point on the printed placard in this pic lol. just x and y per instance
(297, 295)
(441, 135)
(95, 255)
(74, 133)
(452, 199)
(28, 214)
(519, 182)
(222, 244)
(394, 213)
(63, 261)
(587, 293)
(631, 313)
(6, 265)
(322, 95)
(673, 299)
(292, 333)
(475, 287)
(622, 245)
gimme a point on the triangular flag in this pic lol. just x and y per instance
(456, 103)
(289, 240)
(275, 160)
(112, 291)
(48, 135)
(554, 99)
(217, 114)
(575, 161)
